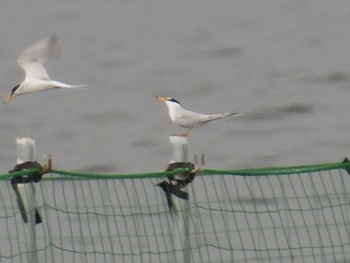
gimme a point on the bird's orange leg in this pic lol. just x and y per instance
(185, 134)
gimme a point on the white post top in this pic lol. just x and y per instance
(179, 144)
(25, 149)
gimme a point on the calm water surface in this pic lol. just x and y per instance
(284, 64)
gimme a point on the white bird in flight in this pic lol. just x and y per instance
(189, 119)
(36, 77)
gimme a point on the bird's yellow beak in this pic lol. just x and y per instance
(161, 98)
(8, 98)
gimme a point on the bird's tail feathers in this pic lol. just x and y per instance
(76, 87)
(221, 115)
(234, 113)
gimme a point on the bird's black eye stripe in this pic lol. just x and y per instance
(14, 89)
(173, 100)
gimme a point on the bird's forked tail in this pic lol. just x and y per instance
(221, 115)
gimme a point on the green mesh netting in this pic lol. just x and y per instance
(292, 214)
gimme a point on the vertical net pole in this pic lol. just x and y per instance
(181, 233)
(25, 153)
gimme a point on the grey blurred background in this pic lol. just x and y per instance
(283, 64)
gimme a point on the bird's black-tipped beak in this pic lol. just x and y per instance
(10, 97)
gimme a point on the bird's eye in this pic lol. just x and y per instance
(174, 100)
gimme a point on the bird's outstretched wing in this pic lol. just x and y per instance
(33, 58)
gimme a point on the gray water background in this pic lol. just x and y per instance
(283, 64)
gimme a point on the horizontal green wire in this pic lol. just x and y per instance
(19, 173)
(281, 170)
(243, 172)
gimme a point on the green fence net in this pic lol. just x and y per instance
(292, 214)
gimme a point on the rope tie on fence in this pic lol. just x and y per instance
(35, 173)
(178, 181)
